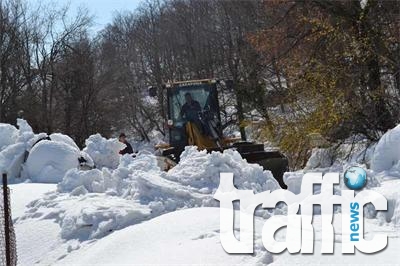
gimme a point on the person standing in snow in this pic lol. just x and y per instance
(128, 149)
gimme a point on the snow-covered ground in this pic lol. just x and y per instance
(35, 238)
(127, 211)
(188, 236)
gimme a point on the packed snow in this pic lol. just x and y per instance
(184, 237)
(36, 157)
(12, 159)
(9, 135)
(386, 155)
(104, 152)
(138, 190)
(48, 161)
(112, 210)
(201, 170)
(58, 137)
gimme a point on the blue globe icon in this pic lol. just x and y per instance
(355, 178)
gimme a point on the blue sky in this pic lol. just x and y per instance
(102, 10)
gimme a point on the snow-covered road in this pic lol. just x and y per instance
(24, 193)
(182, 237)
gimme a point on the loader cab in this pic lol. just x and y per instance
(202, 91)
(180, 131)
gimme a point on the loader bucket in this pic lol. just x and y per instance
(273, 161)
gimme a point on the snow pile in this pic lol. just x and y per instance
(140, 183)
(88, 162)
(97, 216)
(48, 161)
(58, 137)
(293, 181)
(201, 170)
(387, 151)
(82, 182)
(155, 137)
(17, 143)
(86, 216)
(25, 130)
(11, 160)
(9, 135)
(32, 156)
(107, 180)
(197, 171)
(104, 152)
(144, 161)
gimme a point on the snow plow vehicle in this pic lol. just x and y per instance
(194, 119)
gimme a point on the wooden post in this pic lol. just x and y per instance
(6, 220)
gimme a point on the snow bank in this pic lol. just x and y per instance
(58, 137)
(138, 180)
(104, 152)
(201, 170)
(97, 215)
(25, 132)
(293, 181)
(197, 170)
(186, 237)
(86, 216)
(48, 161)
(9, 135)
(88, 162)
(44, 164)
(11, 160)
(17, 143)
(76, 181)
(391, 190)
(140, 183)
(387, 151)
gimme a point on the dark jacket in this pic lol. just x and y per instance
(190, 111)
(128, 149)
